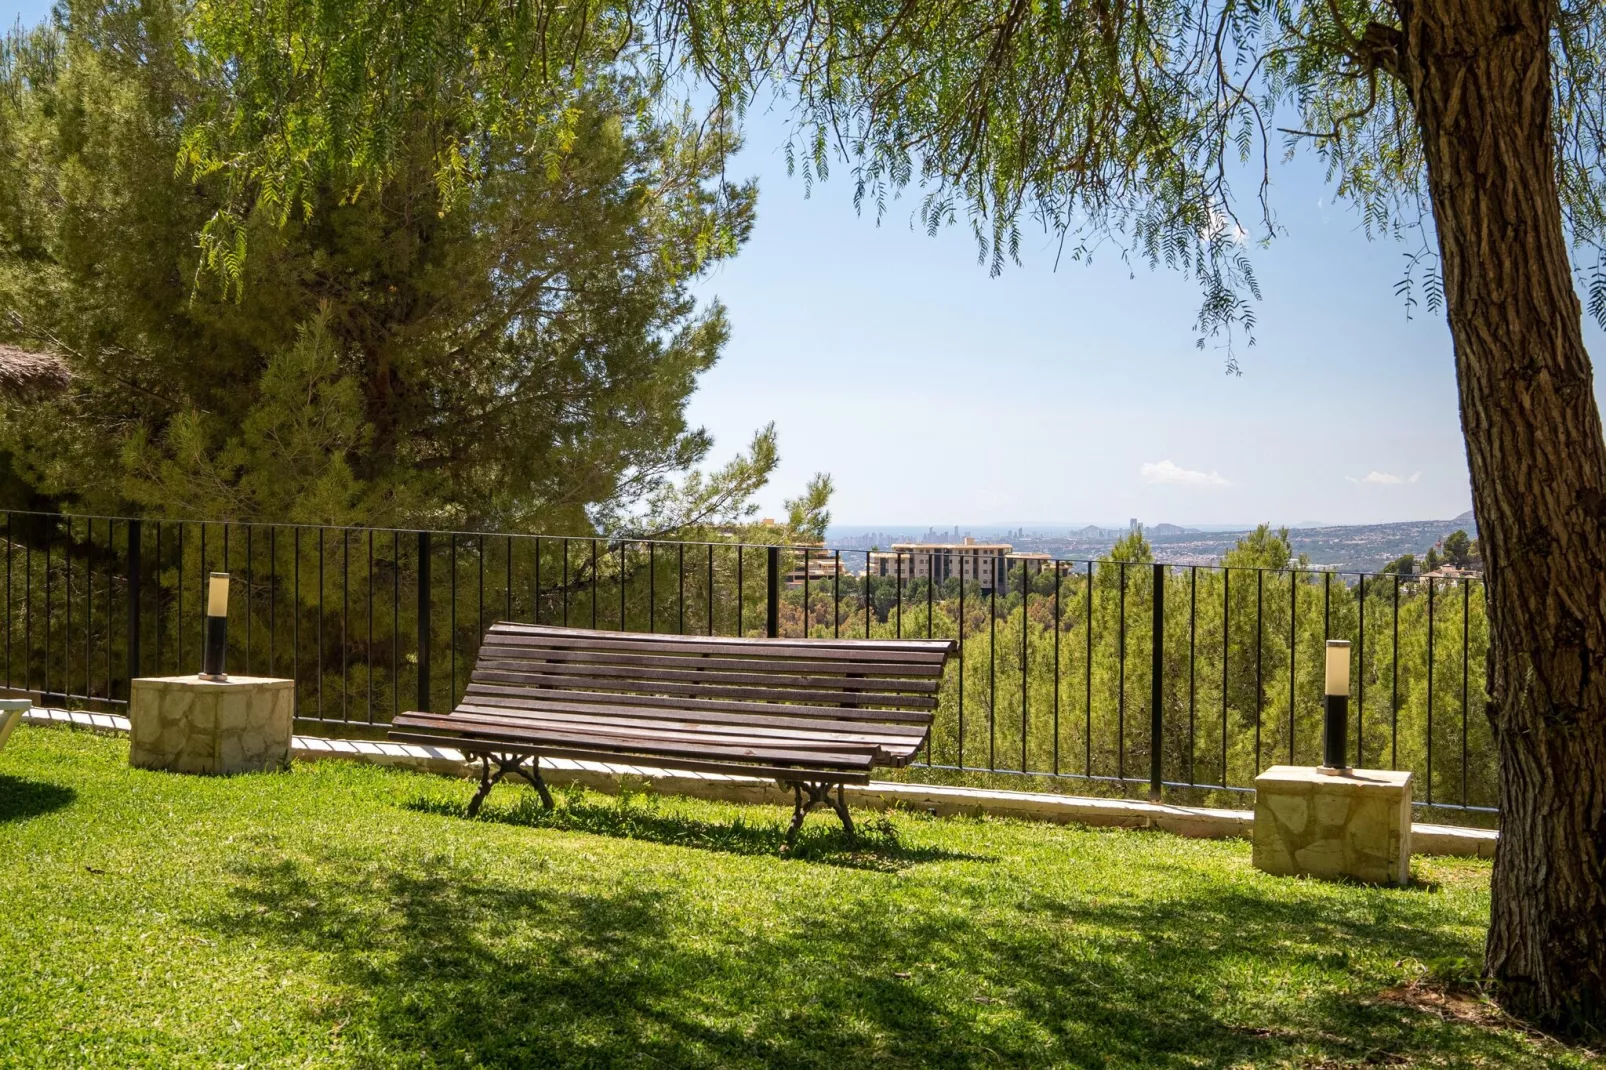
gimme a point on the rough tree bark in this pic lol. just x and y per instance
(1479, 77)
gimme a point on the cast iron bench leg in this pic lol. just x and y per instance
(505, 764)
(819, 794)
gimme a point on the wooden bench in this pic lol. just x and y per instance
(810, 714)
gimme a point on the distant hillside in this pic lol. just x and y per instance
(1346, 547)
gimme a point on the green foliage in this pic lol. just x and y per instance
(1404, 565)
(493, 334)
(1242, 667)
(1459, 549)
(341, 915)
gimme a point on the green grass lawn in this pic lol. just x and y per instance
(342, 915)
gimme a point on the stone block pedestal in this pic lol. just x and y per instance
(184, 724)
(1355, 824)
(11, 711)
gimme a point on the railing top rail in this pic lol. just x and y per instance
(616, 540)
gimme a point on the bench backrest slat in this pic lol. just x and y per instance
(856, 681)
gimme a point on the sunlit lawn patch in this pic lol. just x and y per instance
(341, 915)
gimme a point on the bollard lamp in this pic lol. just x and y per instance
(217, 627)
(1335, 702)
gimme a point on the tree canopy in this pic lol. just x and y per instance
(516, 352)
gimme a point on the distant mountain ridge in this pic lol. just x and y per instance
(1344, 547)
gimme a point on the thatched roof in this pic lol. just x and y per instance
(26, 376)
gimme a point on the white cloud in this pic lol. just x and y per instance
(1384, 479)
(1168, 472)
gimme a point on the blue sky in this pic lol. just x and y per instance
(935, 394)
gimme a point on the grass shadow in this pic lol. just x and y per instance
(21, 799)
(455, 966)
(876, 846)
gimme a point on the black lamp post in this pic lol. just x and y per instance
(217, 627)
(1335, 735)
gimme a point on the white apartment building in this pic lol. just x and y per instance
(983, 563)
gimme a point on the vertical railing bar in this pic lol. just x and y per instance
(250, 599)
(368, 652)
(1293, 652)
(593, 584)
(295, 605)
(898, 596)
(1260, 646)
(836, 597)
(451, 696)
(1193, 674)
(1360, 675)
(565, 544)
(89, 607)
(345, 624)
(1087, 666)
(960, 758)
(1025, 653)
(680, 567)
(1157, 683)
(507, 580)
(867, 565)
(623, 549)
(711, 588)
(806, 619)
(479, 596)
(27, 614)
(395, 624)
(10, 546)
(772, 592)
(317, 665)
(1120, 704)
(1429, 778)
(1226, 665)
(931, 579)
(741, 589)
(652, 586)
(50, 538)
(535, 586)
(424, 605)
(992, 668)
(1466, 608)
(1058, 579)
(273, 599)
(1394, 683)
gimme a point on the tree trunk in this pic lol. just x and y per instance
(1478, 74)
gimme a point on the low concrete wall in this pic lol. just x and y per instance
(1197, 822)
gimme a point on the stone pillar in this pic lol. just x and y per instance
(184, 724)
(1355, 824)
(11, 711)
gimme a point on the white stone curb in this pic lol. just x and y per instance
(1197, 822)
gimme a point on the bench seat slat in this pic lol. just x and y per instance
(681, 712)
(495, 659)
(917, 717)
(867, 698)
(500, 644)
(582, 753)
(654, 731)
(640, 745)
(759, 734)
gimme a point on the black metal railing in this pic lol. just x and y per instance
(1058, 662)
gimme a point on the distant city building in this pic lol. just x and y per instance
(1033, 563)
(983, 563)
(820, 564)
